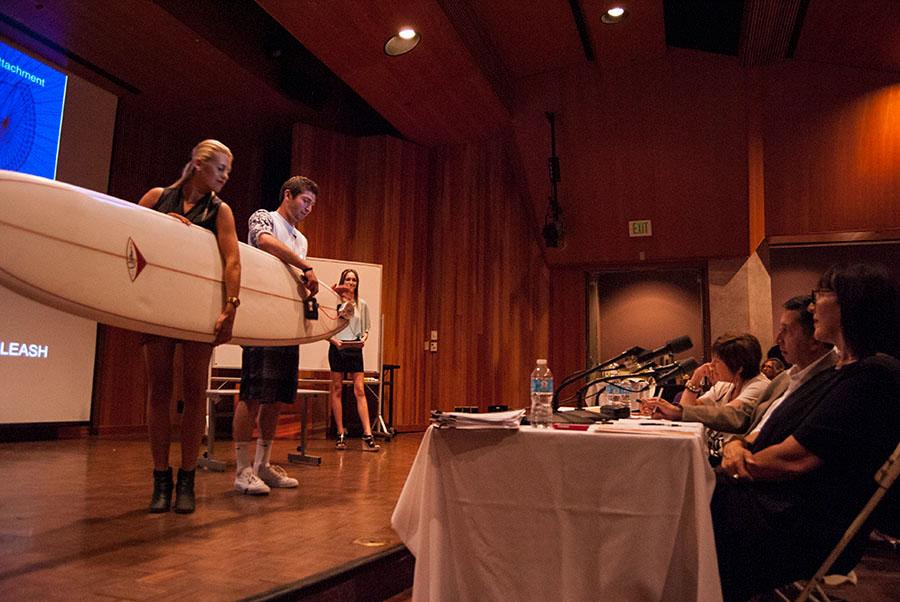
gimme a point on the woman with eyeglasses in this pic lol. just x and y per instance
(782, 510)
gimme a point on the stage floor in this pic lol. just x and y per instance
(74, 525)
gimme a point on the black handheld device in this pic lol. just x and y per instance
(311, 308)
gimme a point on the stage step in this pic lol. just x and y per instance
(371, 579)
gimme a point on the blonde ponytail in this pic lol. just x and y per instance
(203, 151)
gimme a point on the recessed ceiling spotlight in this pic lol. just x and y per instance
(614, 15)
(405, 40)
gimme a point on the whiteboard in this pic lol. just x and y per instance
(314, 356)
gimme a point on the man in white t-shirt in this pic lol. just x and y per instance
(269, 374)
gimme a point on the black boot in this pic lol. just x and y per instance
(162, 491)
(184, 492)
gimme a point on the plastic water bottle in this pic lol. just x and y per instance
(541, 395)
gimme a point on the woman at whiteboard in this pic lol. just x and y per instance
(345, 356)
(193, 199)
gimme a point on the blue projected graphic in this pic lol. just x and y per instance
(31, 108)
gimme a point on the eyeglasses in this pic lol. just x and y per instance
(818, 292)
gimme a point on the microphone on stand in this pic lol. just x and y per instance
(676, 345)
(584, 399)
(633, 352)
(676, 369)
(660, 375)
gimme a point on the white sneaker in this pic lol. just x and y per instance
(247, 482)
(274, 475)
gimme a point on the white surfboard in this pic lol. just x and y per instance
(118, 263)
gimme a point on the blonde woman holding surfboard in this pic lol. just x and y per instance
(345, 357)
(193, 199)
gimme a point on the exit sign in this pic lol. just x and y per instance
(640, 227)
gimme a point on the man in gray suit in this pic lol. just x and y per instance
(810, 358)
(797, 344)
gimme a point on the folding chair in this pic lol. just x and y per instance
(885, 477)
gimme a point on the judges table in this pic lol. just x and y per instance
(546, 514)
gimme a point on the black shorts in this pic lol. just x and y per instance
(349, 359)
(269, 374)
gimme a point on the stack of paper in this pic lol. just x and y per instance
(492, 420)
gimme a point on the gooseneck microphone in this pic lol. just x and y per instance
(628, 353)
(676, 345)
(675, 369)
(660, 375)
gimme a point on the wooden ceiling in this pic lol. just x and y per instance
(458, 85)
(134, 47)
(488, 66)
(855, 34)
(482, 67)
(191, 60)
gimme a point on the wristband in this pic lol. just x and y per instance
(304, 270)
(234, 301)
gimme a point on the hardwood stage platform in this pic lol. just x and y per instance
(74, 525)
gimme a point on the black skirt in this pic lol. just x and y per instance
(349, 359)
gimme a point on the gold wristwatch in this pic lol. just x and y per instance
(695, 389)
(234, 301)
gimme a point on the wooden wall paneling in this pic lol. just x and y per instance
(663, 140)
(756, 185)
(832, 153)
(567, 321)
(373, 207)
(392, 187)
(328, 159)
(120, 384)
(456, 241)
(489, 286)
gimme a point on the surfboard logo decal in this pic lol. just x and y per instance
(135, 261)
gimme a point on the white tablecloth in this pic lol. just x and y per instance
(540, 514)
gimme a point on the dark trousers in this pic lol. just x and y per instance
(762, 540)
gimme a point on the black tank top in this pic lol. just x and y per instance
(203, 213)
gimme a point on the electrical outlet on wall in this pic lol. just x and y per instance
(433, 346)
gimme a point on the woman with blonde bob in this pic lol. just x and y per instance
(192, 199)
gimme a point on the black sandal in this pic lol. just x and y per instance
(369, 445)
(341, 441)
